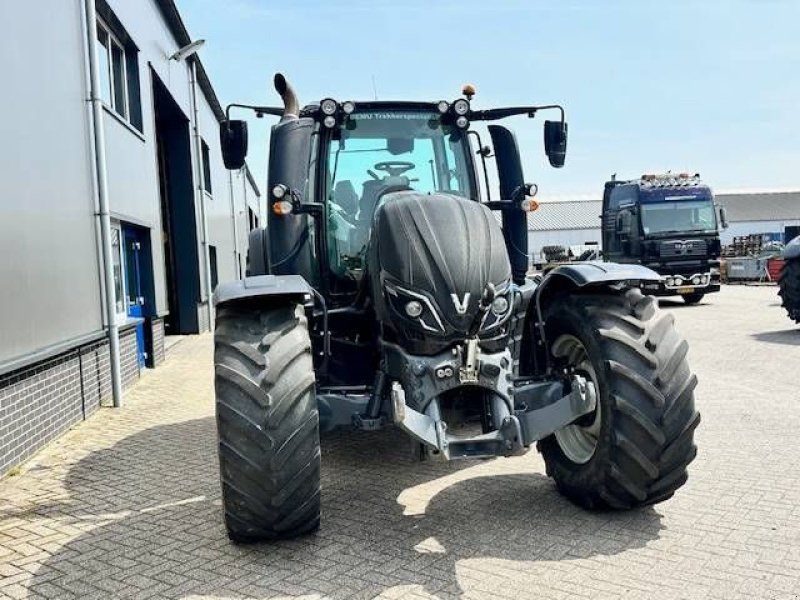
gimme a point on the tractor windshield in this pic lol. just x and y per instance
(381, 151)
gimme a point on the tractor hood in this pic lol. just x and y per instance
(431, 258)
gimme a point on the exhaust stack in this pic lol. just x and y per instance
(291, 107)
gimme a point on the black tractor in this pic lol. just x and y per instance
(384, 292)
(789, 280)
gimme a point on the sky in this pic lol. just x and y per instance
(700, 86)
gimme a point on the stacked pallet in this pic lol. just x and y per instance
(745, 245)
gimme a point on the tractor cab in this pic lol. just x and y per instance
(379, 149)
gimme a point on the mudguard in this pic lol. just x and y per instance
(792, 249)
(587, 273)
(262, 286)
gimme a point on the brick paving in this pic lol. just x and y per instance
(127, 504)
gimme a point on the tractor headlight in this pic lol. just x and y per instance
(443, 106)
(462, 122)
(328, 106)
(279, 191)
(461, 107)
(500, 310)
(414, 309)
(500, 305)
(348, 107)
(329, 121)
(414, 306)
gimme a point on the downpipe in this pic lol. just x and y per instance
(103, 214)
(201, 192)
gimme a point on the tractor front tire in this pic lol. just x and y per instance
(635, 449)
(267, 422)
(789, 282)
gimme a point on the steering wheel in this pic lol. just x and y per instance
(394, 167)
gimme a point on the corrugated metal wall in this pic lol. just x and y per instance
(48, 240)
(49, 264)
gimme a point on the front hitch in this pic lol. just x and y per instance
(546, 409)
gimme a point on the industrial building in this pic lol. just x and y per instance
(117, 216)
(577, 222)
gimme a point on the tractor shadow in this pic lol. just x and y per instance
(150, 514)
(787, 337)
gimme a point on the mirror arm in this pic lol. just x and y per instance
(517, 196)
(259, 110)
(318, 212)
(493, 114)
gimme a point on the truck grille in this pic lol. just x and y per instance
(681, 248)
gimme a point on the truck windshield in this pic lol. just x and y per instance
(679, 216)
(382, 151)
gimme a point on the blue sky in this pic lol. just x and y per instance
(704, 86)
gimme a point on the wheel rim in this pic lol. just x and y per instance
(578, 441)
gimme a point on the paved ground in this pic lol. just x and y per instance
(127, 504)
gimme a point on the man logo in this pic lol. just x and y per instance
(461, 305)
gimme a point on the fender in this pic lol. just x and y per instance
(566, 278)
(589, 273)
(263, 286)
(792, 249)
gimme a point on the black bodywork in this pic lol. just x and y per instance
(412, 260)
(442, 319)
(686, 259)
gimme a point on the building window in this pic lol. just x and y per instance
(212, 260)
(119, 74)
(206, 167)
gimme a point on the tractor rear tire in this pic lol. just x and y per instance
(789, 282)
(693, 298)
(644, 430)
(267, 422)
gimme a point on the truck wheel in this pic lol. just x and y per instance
(693, 298)
(267, 422)
(634, 449)
(789, 291)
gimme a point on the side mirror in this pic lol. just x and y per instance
(233, 141)
(555, 142)
(723, 217)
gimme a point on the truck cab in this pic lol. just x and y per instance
(670, 224)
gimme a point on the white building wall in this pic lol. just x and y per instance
(48, 235)
(48, 228)
(133, 170)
